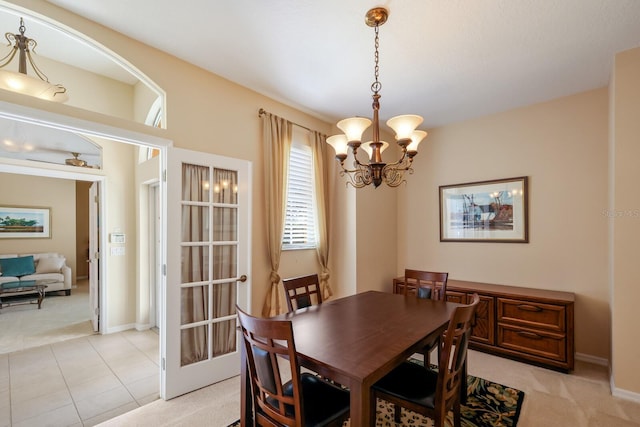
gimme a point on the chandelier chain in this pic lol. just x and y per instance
(376, 86)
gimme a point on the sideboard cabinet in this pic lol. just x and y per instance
(526, 324)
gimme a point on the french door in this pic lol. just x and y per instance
(207, 269)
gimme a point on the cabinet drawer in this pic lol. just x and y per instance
(532, 314)
(535, 342)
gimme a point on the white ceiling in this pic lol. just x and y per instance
(447, 60)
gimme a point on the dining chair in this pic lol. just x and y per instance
(305, 399)
(302, 291)
(428, 285)
(429, 392)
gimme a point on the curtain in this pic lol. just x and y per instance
(225, 229)
(277, 135)
(321, 175)
(193, 343)
(198, 214)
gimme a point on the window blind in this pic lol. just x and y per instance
(300, 227)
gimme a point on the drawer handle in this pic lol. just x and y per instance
(526, 307)
(529, 335)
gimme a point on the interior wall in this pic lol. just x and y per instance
(624, 214)
(561, 146)
(57, 194)
(119, 163)
(82, 228)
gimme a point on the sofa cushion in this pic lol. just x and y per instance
(49, 265)
(18, 266)
(49, 276)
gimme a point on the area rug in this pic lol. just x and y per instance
(488, 404)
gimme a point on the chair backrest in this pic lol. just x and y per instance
(429, 284)
(267, 343)
(302, 291)
(454, 353)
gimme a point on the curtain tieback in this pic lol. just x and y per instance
(274, 278)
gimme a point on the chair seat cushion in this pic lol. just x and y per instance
(411, 382)
(323, 402)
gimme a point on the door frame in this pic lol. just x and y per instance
(35, 116)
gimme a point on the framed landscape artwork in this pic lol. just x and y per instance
(23, 222)
(487, 211)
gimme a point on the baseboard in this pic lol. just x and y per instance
(142, 326)
(625, 394)
(592, 359)
(119, 328)
(82, 277)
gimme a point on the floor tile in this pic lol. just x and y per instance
(93, 386)
(60, 417)
(24, 409)
(144, 387)
(104, 402)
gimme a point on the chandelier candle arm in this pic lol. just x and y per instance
(376, 171)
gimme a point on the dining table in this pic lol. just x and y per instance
(356, 340)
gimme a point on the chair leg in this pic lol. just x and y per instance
(397, 413)
(463, 384)
(456, 414)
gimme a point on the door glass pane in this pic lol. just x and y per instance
(195, 223)
(194, 345)
(195, 264)
(225, 221)
(195, 304)
(224, 337)
(224, 297)
(224, 262)
(195, 183)
(225, 187)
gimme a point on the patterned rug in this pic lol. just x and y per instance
(488, 404)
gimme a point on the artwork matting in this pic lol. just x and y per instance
(485, 211)
(20, 222)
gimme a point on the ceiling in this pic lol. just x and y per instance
(447, 60)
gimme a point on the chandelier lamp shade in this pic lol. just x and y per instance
(375, 171)
(19, 81)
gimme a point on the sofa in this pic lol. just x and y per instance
(48, 265)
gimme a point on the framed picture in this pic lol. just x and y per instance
(487, 211)
(22, 222)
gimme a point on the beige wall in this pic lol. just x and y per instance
(625, 217)
(562, 147)
(57, 194)
(119, 162)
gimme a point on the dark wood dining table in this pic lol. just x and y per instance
(356, 340)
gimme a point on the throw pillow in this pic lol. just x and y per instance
(19, 266)
(49, 265)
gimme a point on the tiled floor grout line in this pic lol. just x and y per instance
(114, 373)
(66, 383)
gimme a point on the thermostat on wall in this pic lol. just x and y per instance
(116, 237)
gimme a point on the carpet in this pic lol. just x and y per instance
(488, 404)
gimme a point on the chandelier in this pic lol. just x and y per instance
(20, 82)
(407, 137)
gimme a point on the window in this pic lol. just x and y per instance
(300, 218)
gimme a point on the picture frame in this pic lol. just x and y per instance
(21, 222)
(485, 211)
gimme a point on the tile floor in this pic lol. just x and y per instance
(80, 382)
